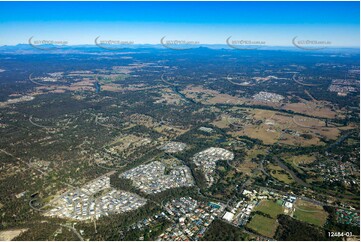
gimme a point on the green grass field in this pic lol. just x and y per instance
(270, 207)
(110, 79)
(280, 174)
(264, 226)
(310, 213)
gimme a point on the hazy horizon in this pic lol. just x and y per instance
(276, 23)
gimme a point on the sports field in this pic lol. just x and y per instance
(310, 213)
(269, 207)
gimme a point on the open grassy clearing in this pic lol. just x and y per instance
(264, 226)
(280, 174)
(8, 235)
(310, 213)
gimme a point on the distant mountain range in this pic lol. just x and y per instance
(49, 48)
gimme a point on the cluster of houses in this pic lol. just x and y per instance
(146, 223)
(191, 219)
(173, 147)
(206, 161)
(348, 217)
(335, 170)
(268, 97)
(206, 129)
(154, 177)
(344, 86)
(93, 200)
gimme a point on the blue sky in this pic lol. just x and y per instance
(276, 23)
